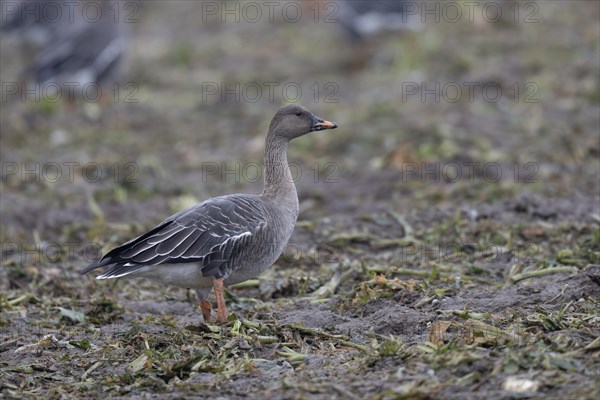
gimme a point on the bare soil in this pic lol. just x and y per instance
(398, 282)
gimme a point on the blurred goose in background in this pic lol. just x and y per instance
(70, 45)
(366, 21)
(26, 19)
(224, 240)
(362, 18)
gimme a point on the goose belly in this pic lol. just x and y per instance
(181, 275)
(247, 264)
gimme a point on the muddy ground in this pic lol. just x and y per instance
(446, 248)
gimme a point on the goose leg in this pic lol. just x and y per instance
(206, 308)
(221, 307)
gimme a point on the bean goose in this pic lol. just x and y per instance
(224, 240)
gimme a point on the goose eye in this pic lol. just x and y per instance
(298, 113)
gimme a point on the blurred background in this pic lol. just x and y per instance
(458, 122)
(177, 88)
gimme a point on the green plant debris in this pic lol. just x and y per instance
(444, 249)
(542, 272)
(74, 316)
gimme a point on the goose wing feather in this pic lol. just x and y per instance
(210, 234)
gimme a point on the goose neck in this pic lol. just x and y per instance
(278, 179)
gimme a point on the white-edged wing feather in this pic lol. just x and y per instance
(210, 234)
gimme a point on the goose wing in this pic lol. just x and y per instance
(209, 234)
(85, 54)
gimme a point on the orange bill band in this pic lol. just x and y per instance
(326, 124)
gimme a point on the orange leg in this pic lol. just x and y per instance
(206, 308)
(221, 307)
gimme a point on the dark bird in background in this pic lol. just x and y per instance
(70, 45)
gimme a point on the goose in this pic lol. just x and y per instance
(363, 18)
(70, 46)
(224, 240)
